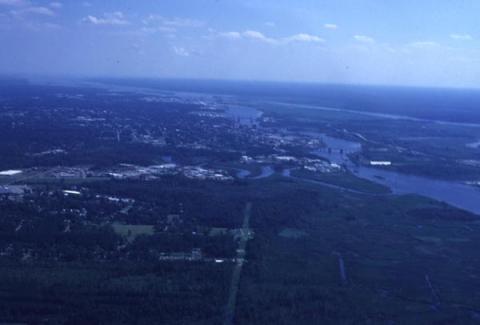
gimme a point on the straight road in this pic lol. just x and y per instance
(237, 271)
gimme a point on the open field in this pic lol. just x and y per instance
(130, 232)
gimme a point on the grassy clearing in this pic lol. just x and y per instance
(131, 232)
(345, 180)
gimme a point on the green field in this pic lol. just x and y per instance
(131, 232)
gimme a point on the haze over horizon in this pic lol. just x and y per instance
(428, 43)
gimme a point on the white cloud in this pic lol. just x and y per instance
(270, 24)
(255, 35)
(32, 10)
(461, 37)
(258, 36)
(116, 18)
(248, 34)
(161, 24)
(423, 44)
(330, 26)
(21, 16)
(183, 22)
(304, 38)
(175, 22)
(180, 51)
(231, 35)
(364, 39)
(26, 7)
(159, 29)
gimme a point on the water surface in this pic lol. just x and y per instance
(460, 195)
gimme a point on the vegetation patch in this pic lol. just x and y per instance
(292, 233)
(131, 232)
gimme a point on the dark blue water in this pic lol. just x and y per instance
(456, 194)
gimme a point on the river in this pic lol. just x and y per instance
(456, 194)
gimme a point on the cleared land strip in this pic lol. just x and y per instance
(237, 271)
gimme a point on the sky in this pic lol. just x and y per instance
(387, 42)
